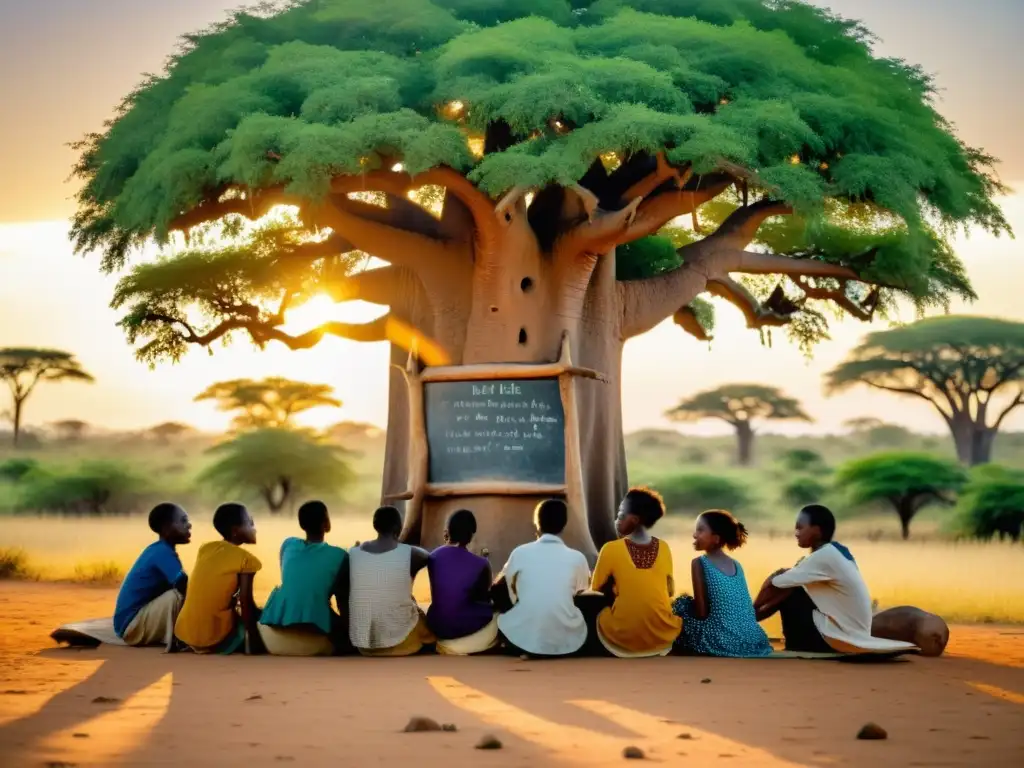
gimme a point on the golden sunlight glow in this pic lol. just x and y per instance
(588, 746)
(315, 311)
(795, 160)
(476, 146)
(25, 705)
(453, 109)
(610, 161)
(116, 733)
(398, 167)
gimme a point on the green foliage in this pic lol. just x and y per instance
(977, 353)
(95, 488)
(268, 403)
(14, 470)
(694, 493)
(738, 403)
(277, 464)
(803, 460)
(801, 491)
(906, 481)
(294, 95)
(992, 503)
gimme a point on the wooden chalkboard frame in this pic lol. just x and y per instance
(419, 489)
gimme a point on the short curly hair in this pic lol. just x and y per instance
(161, 516)
(646, 503)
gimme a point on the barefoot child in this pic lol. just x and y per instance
(153, 591)
(221, 580)
(719, 619)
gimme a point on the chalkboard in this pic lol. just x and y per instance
(501, 430)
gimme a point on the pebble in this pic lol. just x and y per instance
(488, 741)
(633, 753)
(421, 725)
(872, 732)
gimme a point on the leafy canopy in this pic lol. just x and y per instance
(270, 402)
(276, 464)
(993, 503)
(899, 476)
(784, 96)
(739, 403)
(953, 361)
(22, 368)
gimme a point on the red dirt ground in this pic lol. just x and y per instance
(141, 707)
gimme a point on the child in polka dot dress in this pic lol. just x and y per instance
(719, 619)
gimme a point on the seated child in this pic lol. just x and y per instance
(298, 619)
(384, 619)
(719, 619)
(460, 613)
(636, 571)
(824, 602)
(222, 581)
(542, 580)
(152, 593)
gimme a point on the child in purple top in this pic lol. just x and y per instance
(460, 605)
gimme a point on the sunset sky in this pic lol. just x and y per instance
(65, 63)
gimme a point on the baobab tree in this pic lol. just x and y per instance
(25, 368)
(740, 405)
(969, 369)
(515, 165)
(268, 403)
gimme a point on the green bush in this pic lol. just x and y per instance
(13, 470)
(992, 504)
(693, 493)
(802, 460)
(803, 491)
(95, 488)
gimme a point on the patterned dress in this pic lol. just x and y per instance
(731, 628)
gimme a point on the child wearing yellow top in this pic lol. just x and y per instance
(222, 579)
(636, 570)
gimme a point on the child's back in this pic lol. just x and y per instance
(208, 616)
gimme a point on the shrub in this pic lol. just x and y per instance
(993, 504)
(13, 470)
(96, 488)
(106, 573)
(803, 491)
(802, 460)
(693, 493)
(14, 564)
(907, 482)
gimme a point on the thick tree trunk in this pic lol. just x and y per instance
(16, 422)
(973, 440)
(744, 443)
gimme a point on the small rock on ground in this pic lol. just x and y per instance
(421, 725)
(633, 753)
(450, 727)
(105, 700)
(872, 732)
(488, 741)
(706, 680)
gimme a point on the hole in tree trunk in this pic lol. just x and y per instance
(526, 284)
(494, 308)
(522, 335)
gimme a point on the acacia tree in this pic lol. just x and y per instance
(24, 368)
(739, 405)
(271, 402)
(515, 165)
(908, 482)
(970, 369)
(167, 431)
(277, 464)
(71, 429)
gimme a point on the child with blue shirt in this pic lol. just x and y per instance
(154, 589)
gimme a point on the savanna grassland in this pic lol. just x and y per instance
(935, 570)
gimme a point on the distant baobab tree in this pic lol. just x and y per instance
(71, 429)
(739, 405)
(23, 368)
(970, 369)
(168, 430)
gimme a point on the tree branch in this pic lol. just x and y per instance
(756, 314)
(382, 285)
(260, 332)
(864, 311)
(645, 303)
(1018, 400)
(657, 211)
(254, 205)
(741, 226)
(910, 391)
(687, 319)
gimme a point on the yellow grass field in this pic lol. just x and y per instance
(964, 582)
